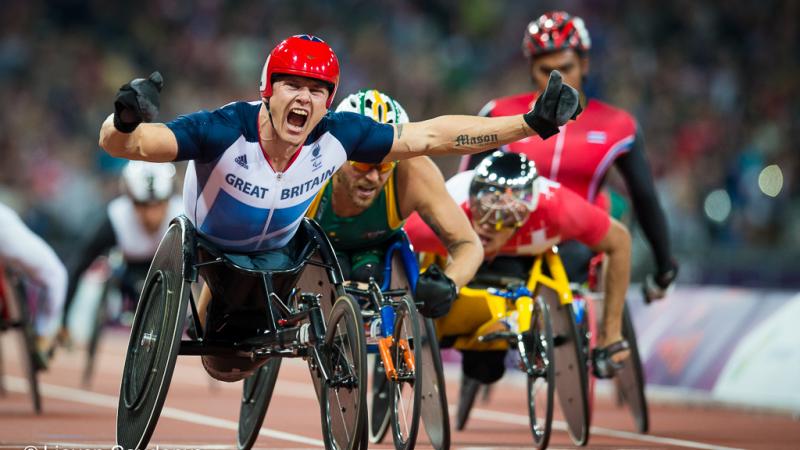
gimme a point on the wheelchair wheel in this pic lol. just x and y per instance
(588, 334)
(343, 398)
(381, 403)
(154, 344)
(434, 398)
(255, 402)
(28, 338)
(630, 379)
(541, 385)
(570, 367)
(94, 338)
(407, 388)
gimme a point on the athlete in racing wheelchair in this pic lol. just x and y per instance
(362, 210)
(254, 169)
(519, 215)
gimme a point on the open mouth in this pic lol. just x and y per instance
(297, 118)
(365, 192)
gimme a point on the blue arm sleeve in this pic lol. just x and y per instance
(204, 135)
(363, 139)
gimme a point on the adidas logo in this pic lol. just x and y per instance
(242, 161)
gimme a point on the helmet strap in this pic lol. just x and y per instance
(269, 111)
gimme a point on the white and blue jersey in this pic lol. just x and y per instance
(231, 192)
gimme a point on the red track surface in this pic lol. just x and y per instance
(202, 413)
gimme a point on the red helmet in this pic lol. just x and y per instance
(305, 56)
(555, 31)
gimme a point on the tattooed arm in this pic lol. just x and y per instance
(463, 135)
(421, 188)
(447, 135)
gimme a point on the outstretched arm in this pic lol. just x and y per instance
(472, 134)
(446, 135)
(148, 142)
(422, 189)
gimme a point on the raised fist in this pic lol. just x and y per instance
(555, 106)
(137, 102)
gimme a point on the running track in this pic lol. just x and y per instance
(201, 413)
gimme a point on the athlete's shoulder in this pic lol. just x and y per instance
(362, 138)
(612, 116)
(509, 105)
(242, 116)
(343, 123)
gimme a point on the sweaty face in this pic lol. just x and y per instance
(572, 66)
(297, 105)
(361, 187)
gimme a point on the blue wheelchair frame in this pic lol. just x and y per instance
(408, 259)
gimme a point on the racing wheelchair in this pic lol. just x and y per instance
(267, 306)
(15, 313)
(555, 353)
(408, 380)
(574, 325)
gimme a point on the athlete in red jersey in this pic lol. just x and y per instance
(582, 154)
(517, 215)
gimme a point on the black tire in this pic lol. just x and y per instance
(466, 400)
(28, 337)
(154, 343)
(94, 338)
(405, 417)
(571, 378)
(3, 391)
(343, 401)
(380, 412)
(630, 379)
(541, 385)
(435, 415)
(256, 396)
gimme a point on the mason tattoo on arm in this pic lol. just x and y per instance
(465, 139)
(399, 130)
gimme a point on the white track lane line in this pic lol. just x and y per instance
(502, 417)
(18, 384)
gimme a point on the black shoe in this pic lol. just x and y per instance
(466, 398)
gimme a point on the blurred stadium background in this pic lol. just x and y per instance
(714, 85)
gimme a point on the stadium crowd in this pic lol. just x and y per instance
(713, 84)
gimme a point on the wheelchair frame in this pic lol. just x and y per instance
(297, 327)
(400, 274)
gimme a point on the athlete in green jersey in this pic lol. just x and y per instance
(364, 205)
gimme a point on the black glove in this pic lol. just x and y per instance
(658, 285)
(436, 292)
(558, 103)
(137, 102)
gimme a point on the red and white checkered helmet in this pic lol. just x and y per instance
(554, 31)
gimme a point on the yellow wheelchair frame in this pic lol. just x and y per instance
(552, 285)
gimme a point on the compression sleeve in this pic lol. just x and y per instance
(635, 170)
(100, 241)
(26, 252)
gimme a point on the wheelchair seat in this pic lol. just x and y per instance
(241, 285)
(288, 259)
